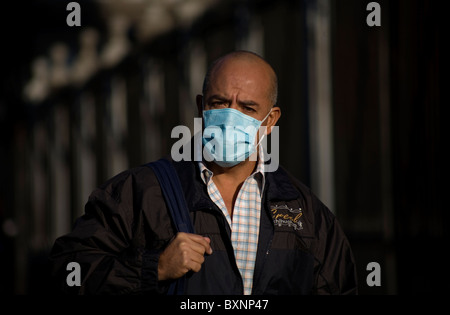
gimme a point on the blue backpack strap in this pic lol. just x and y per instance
(176, 204)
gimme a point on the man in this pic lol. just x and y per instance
(256, 232)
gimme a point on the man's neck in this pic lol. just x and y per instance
(233, 176)
(229, 180)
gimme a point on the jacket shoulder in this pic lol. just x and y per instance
(284, 179)
(127, 181)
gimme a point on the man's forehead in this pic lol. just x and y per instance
(242, 70)
(229, 88)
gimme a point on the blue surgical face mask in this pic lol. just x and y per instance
(229, 136)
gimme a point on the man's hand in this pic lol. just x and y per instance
(185, 253)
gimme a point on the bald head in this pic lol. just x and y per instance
(245, 59)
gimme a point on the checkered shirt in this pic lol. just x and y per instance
(246, 217)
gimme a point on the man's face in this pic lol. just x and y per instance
(242, 85)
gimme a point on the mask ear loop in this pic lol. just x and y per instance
(262, 137)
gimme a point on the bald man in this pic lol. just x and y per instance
(256, 232)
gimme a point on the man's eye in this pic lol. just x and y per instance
(249, 109)
(217, 104)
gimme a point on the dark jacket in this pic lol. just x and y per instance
(126, 225)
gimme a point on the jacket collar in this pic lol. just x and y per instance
(277, 186)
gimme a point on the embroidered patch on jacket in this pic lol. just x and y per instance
(284, 216)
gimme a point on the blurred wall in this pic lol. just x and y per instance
(361, 116)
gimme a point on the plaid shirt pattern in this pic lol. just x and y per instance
(246, 217)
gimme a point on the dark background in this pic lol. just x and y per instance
(387, 125)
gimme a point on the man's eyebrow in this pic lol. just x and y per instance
(217, 97)
(248, 103)
(225, 99)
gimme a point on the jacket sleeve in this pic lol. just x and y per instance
(107, 245)
(335, 270)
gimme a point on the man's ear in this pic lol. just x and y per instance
(273, 118)
(199, 101)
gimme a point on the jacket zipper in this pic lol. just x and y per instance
(265, 205)
(229, 244)
(268, 247)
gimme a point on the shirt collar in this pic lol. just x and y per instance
(206, 174)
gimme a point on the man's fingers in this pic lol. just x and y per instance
(206, 243)
(197, 248)
(195, 267)
(195, 261)
(198, 240)
(208, 247)
(209, 250)
(185, 252)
